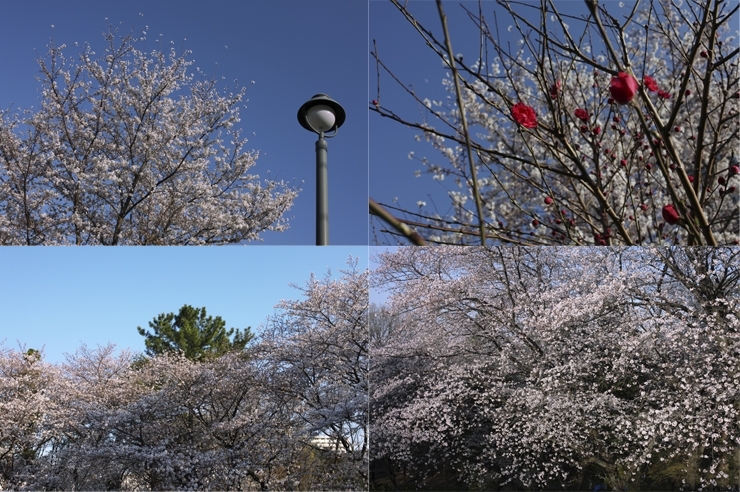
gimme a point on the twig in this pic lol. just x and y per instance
(464, 122)
(410, 234)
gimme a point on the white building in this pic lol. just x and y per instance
(326, 442)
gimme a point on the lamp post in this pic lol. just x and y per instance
(321, 115)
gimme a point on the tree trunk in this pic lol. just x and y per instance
(692, 469)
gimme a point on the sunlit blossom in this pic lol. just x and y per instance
(524, 115)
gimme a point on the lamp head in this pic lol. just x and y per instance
(321, 114)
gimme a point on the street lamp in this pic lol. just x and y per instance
(321, 115)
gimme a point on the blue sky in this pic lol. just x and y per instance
(379, 296)
(292, 49)
(402, 49)
(60, 297)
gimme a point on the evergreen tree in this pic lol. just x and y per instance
(193, 333)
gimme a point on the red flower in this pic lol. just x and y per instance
(597, 130)
(650, 83)
(623, 88)
(670, 214)
(555, 90)
(664, 95)
(524, 115)
(581, 114)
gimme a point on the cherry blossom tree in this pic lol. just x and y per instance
(90, 386)
(102, 422)
(26, 384)
(130, 147)
(559, 367)
(173, 423)
(316, 349)
(614, 126)
(245, 419)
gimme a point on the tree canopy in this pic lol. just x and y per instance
(129, 147)
(253, 420)
(558, 368)
(193, 333)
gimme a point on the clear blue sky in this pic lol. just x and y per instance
(404, 52)
(292, 49)
(60, 297)
(379, 296)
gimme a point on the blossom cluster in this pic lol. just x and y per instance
(287, 413)
(130, 148)
(542, 368)
(616, 141)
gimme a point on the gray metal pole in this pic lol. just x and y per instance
(322, 194)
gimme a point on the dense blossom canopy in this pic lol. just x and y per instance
(544, 368)
(288, 412)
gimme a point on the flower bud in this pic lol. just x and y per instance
(670, 214)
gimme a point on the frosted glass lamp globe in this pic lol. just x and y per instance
(321, 114)
(321, 118)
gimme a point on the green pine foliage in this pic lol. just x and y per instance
(193, 333)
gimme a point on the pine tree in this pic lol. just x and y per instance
(194, 334)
